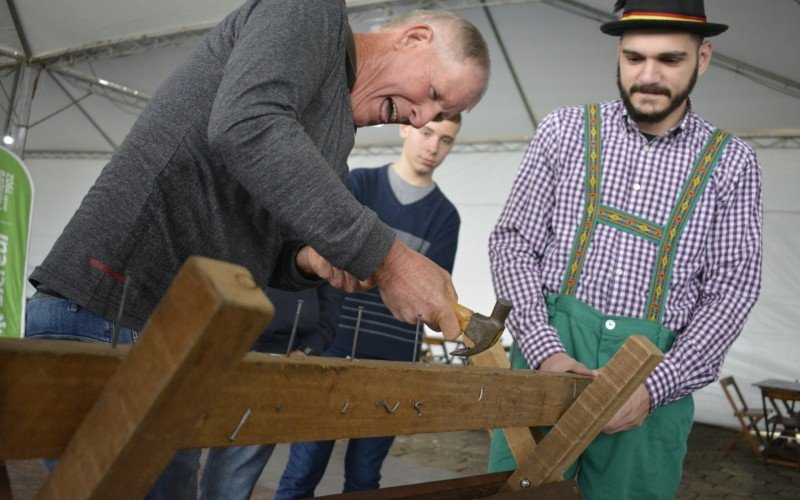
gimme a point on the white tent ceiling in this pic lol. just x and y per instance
(560, 58)
(559, 55)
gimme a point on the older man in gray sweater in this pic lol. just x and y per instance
(240, 156)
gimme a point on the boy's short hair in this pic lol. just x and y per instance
(456, 118)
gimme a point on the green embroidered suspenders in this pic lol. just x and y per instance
(593, 152)
(681, 213)
(666, 237)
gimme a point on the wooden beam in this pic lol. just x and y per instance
(210, 316)
(289, 399)
(462, 487)
(560, 490)
(481, 486)
(584, 420)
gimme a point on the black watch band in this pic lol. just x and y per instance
(307, 350)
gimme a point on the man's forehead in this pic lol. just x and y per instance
(650, 39)
(444, 127)
(459, 90)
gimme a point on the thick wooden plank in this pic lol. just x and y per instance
(66, 379)
(520, 440)
(584, 420)
(199, 332)
(560, 490)
(289, 399)
(481, 486)
(330, 398)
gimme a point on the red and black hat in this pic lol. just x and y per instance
(671, 15)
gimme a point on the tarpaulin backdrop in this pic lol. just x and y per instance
(16, 203)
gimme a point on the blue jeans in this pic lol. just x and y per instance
(308, 461)
(50, 317)
(232, 473)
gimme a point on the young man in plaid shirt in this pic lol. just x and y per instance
(634, 217)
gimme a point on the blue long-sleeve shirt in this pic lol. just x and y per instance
(430, 226)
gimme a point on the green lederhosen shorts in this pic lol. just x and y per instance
(641, 463)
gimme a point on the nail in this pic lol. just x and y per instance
(386, 405)
(355, 334)
(241, 424)
(294, 327)
(416, 340)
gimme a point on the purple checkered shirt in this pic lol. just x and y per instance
(716, 276)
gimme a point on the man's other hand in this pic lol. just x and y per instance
(563, 362)
(312, 264)
(632, 414)
(411, 284)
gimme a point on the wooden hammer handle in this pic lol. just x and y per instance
(463, 314)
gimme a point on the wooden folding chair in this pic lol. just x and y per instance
(783, 425)
(748, 418)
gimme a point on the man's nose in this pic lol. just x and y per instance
(650, 73)
(420, 115)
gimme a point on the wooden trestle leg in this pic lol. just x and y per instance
(587, 416)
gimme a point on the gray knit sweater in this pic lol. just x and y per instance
(244, 144)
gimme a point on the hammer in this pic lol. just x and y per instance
(484, 331)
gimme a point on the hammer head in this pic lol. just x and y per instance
(485, 331)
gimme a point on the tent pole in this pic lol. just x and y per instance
(510, 66)
(16, 131)
(82, 110)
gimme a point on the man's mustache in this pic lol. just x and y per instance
(650, 89)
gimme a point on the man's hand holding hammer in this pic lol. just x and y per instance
(411, 284)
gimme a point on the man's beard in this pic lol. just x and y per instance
(655, 117)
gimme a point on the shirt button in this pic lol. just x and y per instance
(637, 187)
(619, 272)
(610, 324)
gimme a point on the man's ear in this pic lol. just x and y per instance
(404, 129)
(414, 36)
(704, 57)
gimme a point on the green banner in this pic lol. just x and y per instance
(16, 205)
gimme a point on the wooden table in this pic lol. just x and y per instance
(782, 426)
